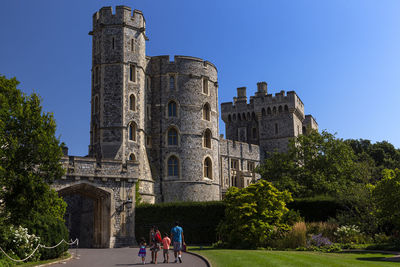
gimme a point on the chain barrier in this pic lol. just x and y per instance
(43, 246)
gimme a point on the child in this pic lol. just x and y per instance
(166, 242)
(142, 250)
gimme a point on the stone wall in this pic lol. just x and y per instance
(243, 154)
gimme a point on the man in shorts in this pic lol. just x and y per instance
(178, 241)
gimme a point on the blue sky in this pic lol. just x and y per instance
(342, 57)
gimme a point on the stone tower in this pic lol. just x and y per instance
(118, 87)
(268, 121)
(184, 127)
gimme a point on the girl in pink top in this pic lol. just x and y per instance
(166, 242)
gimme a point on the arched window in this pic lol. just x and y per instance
(280, 109)
(208, 168)
(269, 111)
(171, 82)
(253, 115)
(132, 102)
(234, 117)
(206, 112)
(248, 116)
(304, 130)
(254, 131)
(205, 86)
(229, 118)
(239, 117)
(276, 128)
(172, 109)
(263, 112)
(207, 138)
(274, 110)
(132, 156)
(244, 116)
(132, 131)
(173, 166)
(286, 108)
(172, 137)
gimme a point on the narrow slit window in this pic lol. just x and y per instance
(132, 73)
(171, 82)
(205, 86)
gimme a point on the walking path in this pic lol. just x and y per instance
(124, 257)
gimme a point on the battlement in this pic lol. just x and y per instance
(123, 16)
(179, 59)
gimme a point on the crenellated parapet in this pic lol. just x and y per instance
(261, 104)
(123, 16)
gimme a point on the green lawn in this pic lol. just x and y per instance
(240, 258)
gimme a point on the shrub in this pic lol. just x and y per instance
(348, 234)
(296, 237)
(319, 241)
(253, 214)
(51, 231)
(381, 238)
(327, 229)
(22, 244)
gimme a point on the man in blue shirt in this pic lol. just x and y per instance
(178, 241)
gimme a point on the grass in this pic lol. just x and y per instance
(239, 258)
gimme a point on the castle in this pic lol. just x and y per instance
(154, 122)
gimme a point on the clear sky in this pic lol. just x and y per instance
(342, 57)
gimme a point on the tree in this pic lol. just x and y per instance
(386, 195)
(381, 155)
(253, 214)
(29, 161)
(315, 164)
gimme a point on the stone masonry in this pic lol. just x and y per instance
(154, 121)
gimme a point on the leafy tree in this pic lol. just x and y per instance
(29, 160)
(380, 155)
(315, 164)
(386, 195)
(253, 214)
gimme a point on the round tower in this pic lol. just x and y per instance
(184, 123)
(118, 88)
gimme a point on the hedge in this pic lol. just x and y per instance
(198, 219)
(316, 209)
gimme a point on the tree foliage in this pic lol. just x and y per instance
(29, 159)
(315, 164)
(253, 214)
(380, 155)
(386, 195)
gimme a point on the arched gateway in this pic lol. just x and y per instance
(88, 214)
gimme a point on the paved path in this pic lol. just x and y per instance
(124, 257)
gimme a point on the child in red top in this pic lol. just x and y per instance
(166, 242)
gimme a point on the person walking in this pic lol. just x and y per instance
(142, 250)
(178, 241)
(155, 240)
(166, 242)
